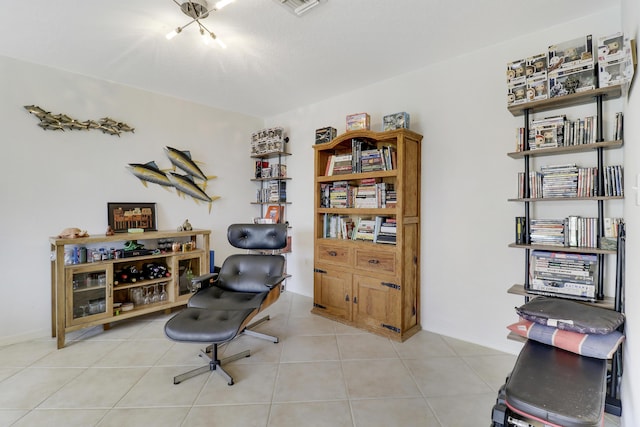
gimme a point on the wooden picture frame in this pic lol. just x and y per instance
(124, 216)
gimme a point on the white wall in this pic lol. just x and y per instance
(466, 180)
(52, 180)
(631, 378)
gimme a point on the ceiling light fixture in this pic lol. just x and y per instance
(299, 7)
(198, 10)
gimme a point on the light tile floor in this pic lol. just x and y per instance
(322, 373)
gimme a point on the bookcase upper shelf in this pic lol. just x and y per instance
(270, 155)
(564, 199)
(585, 97)
(381, 137)
(572, 249)
(565, 150)
(519, 289)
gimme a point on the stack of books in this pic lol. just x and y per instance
(372, 194)
(559, 180)
(535, 185)
(547, 232)
(613, 181)
(371, 161)
(365, 229)
(340, 194)
(366, 194)
(581, 232)
(587, 182)
(385, 230)
(339, 164)
(277, 191)
(338, 226)
(390, 196)
(564, 274)
(364, 157)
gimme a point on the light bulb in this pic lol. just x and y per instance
(206, 39)
(173, 33)
(221, 43)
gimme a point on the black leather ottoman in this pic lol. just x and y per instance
(210, 327)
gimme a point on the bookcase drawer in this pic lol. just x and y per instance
(384, 262)
(334, 254)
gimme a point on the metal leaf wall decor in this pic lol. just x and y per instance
(63, 122)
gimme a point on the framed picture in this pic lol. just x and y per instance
(123, 216)
(274, 213)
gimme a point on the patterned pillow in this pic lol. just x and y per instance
(571, 315)
(601, 346)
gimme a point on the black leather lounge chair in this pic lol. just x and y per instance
(228, 301)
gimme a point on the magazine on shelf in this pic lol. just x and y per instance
(569, 275)
(365, 229)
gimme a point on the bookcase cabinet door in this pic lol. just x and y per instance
(377, 305)
(332, 293)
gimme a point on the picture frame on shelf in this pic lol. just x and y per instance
(274, 213)
(122, 217)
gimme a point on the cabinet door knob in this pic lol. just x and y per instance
(374, 261)
(346, 297)
(333, 253)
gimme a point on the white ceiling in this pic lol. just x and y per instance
(275, 61)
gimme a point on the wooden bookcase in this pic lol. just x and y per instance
(373, 286)
(85, 294)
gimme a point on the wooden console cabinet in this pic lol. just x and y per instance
(373, 286)
(93, 293)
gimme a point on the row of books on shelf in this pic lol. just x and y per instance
(563, 274)
(379, 229)
(363, 157)
(572, 181)
(557, 131)
(265, 170)
(273, 192)
(572, 231)
(367, 194)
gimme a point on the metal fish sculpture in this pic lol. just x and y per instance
(36, 111)
(182, 160)
(50, 121)
(184, 184)
(149, 172)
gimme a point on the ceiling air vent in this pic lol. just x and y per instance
(298, 7)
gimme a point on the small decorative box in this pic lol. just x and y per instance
(395, 121)
(269, 140)
(358, 121)
(325, 134)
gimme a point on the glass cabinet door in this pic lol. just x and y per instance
(89, 293)
(188, 268)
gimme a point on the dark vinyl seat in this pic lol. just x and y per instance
(558, 387)
(228, 300)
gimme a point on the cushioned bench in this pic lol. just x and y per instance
(556, 387)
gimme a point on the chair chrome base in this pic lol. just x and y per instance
(248, 331)
(214, 365)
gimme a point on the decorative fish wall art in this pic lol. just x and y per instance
(183, 183)
(63, 122)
